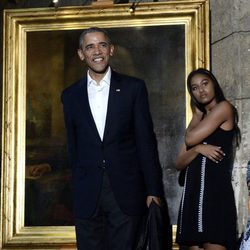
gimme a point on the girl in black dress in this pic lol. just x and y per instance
(207, 215)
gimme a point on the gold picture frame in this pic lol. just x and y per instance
(18, 25)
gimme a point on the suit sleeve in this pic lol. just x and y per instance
(70, 130)
(146, 143)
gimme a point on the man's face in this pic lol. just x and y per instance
(96, 51)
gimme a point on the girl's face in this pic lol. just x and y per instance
(202, 89)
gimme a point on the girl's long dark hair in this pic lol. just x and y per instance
(219, 96)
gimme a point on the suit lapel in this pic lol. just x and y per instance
(112, 102)
(85, 107)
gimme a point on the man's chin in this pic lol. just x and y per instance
(99, 72)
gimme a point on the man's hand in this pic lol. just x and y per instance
(156, 199)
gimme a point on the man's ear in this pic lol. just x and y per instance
(112, 49)
(80, 54)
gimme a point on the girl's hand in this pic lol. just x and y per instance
(213, 153)
(196, 119)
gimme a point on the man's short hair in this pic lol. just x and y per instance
(92, 30)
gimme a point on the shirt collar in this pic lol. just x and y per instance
(106, 78)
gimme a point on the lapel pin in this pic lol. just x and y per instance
(118, 90)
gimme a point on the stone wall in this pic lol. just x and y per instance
(230, 62)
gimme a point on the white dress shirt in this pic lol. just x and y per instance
(98, 100)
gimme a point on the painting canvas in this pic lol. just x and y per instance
(157, 56)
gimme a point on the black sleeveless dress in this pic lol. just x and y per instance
(207, 210)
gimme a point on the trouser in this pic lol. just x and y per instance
(109, 228)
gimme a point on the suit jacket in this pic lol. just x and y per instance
(128, 151)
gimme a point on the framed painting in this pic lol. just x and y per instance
(159, 42)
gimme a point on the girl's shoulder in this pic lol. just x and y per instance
(225, 107)
(226, 112)
(225, 104)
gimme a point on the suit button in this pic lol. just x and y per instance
(103, 166)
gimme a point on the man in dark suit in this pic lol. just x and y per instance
(112, 149)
